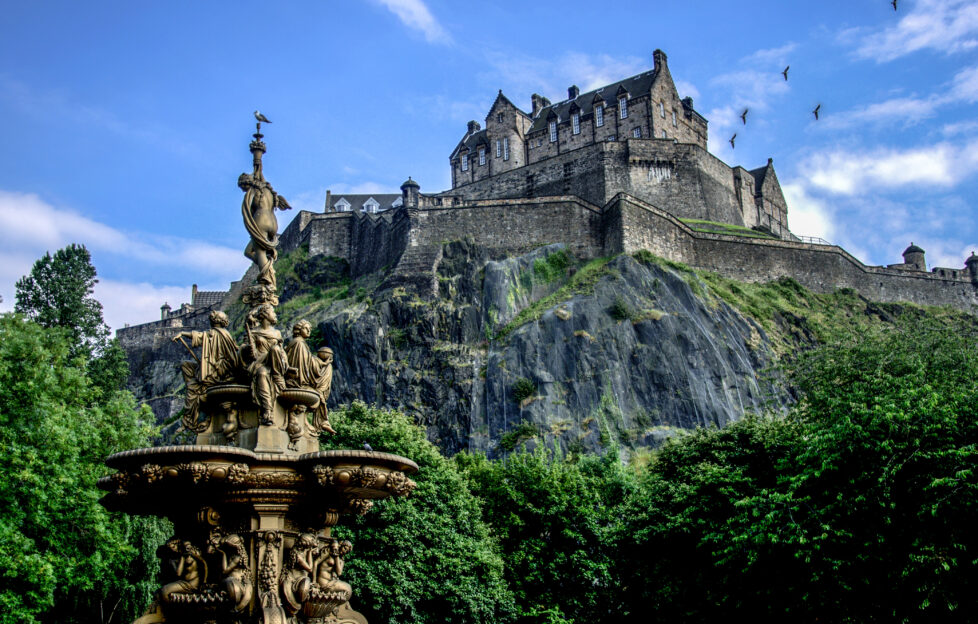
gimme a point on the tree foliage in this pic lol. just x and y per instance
(858, 507)
(58, 293)
(556, 518)
(63, 557)
(427, 559)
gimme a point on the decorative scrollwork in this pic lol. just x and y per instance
(359, 506)
(237, 473)
(324, 475)
(399, 484)
(151, 473)
(365, 476)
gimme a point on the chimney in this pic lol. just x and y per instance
(659, 60)
(474, 127)
(329, 196)
(539, 103)
(573, 92)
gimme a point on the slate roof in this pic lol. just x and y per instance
(386, 200)
(207, 298)
(472, 141)
(640, 84)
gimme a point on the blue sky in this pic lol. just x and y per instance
(125, 124)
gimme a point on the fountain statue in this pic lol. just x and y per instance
(253, 500)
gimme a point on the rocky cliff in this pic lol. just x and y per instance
(537, 347)
(545, 346)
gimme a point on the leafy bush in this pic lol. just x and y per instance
(429, 558)
(620, 310)
(523, 389)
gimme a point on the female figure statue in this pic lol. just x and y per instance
(315, 373)
(266, 360)
(297, 577)
(258, 212)
(235, 574)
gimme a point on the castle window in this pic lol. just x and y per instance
(482, 156)
(599, 115)
(662, 110)
(611, 137)
(465, 162)
(553, 131)
(497, 148)
(637, 133)
(372, 206)
(623, 107)
(499, 117)
(506, 148)
(576, 122)
(675, 123)
(663, 134)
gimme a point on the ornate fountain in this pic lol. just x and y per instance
(254, 500)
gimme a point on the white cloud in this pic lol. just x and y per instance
(965, 86)
(415, 15)
(947, 26)
(520, 75)
(807, 215)
(363, 188)
(749, 88)
(772, 56)
(30, 227)
(909, 110)
(687, 89)
(850, 172)
(958, 128)
(133, 303)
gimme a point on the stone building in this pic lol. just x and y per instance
(634, 136)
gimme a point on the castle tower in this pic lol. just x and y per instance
(165, 311)
(972, 264)
(913, 257)
(410, 192)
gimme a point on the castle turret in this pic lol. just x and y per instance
(165, 311)
(972, 264)
(913, 257)
(410, 192)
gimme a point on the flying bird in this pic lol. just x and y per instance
(743, 116)
(367, 447)
(785, 72)
(894, 4)
(815, 112)
(732, 140)
(262, 118)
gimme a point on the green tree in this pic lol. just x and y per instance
(58, 293)
(857, 507)
(556, 518)
(63, 558)
(427, 559)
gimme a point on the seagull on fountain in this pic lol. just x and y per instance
(262, 118)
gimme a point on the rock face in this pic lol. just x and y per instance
(543, 347)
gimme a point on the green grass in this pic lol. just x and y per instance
(509, 440)
(715, 227)
(581, 283)
(523, 389)
(553, 267)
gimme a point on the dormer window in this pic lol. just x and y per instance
(465, 162)
(506, 148)
(482, 156)
(576, 122)
(372, 206)
(341, 205)
(553, 130)
(599, 115)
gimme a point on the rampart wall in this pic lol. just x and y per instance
(821, 268)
